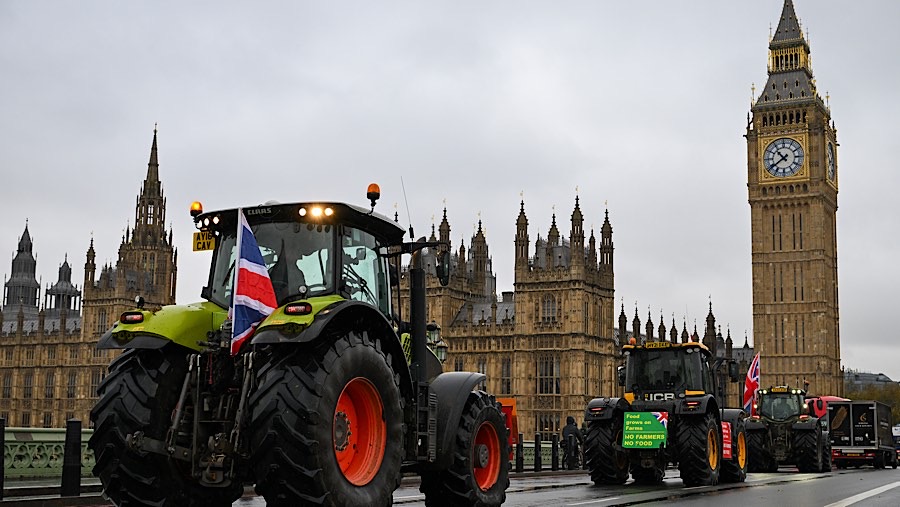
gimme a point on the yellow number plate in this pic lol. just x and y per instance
(204, 240)
(657, 345)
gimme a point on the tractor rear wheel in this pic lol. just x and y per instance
(326, 425)
(735, 469)
(808, 450)
(139, 395)
(479, 472)
(699, 450)
(603, 455)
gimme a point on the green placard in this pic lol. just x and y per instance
(643, 431)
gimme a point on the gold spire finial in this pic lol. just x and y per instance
(576, 189)
(752, 93)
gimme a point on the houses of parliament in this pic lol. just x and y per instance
(50, 366)
(552, 343)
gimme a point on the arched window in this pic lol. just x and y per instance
(548, 308)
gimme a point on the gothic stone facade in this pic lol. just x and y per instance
(550, 344)
(49, 364)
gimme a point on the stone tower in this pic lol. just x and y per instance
(146, 265)
(21, 290)
(792, 181)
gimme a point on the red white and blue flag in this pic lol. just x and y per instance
(751, 385)
(662, 417)
(254, 298)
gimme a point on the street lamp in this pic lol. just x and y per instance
(437, 345)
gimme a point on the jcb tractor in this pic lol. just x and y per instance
(669, 415)
(782, 432)
(321, 405)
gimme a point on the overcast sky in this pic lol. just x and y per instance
(641, 106)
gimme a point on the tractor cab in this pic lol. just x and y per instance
(657, 371)
(782, 403)
(309, 250)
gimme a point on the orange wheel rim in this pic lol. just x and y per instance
(712, 446)
(741, 450)
(359, 431)
(486, 458)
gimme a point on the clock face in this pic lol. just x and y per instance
(829, 153)
(783, 157)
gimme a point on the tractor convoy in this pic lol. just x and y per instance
(782, 432)
(671, 413)
(329, 402)
(334, 396)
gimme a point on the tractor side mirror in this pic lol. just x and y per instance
(620, 373)
(442, 267)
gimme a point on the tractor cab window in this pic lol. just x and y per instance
(663, 370)
(364, 273)
(780, 407)
(298, 257)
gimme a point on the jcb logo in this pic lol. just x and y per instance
(659, 396)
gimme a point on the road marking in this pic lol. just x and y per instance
(862, 496)
(595, 501)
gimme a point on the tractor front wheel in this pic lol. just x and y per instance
(479, 473)
(326, 425)
(139, 395)
(699, 450)
(759, 454)
(603, 454)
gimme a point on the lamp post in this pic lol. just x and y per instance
(437, 345)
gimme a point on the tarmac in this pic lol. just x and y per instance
(46, 492)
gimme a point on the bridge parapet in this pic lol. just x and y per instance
(37, 453)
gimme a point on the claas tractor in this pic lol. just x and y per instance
(329, 402)
(781, 431)
(669, 414)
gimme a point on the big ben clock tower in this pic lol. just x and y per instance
(792, 181)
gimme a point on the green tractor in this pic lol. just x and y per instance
(330, 400)
(668, 415)
(782, 432)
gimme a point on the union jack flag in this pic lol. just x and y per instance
(254, 297)
(663, 418)
(751, 385)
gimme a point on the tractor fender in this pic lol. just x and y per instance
(452, 390)
(706, 404)
(733, 415)
(344, 316)
(602, 409)
(754, 424)
(140, 341)
(810, 424)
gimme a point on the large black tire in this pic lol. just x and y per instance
(735, 469)
(759, 455)
(878, 462)
(606, 461)
(326, 424)
(808, 451)
(479, 473)
(140, 394)
(699, 443)
(826, 455)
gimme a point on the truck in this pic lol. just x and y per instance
(781, 431)
(896, 432)
(671, 414)
(861, 434)
(328, 402)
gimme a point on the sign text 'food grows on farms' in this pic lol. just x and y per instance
(644, 430)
